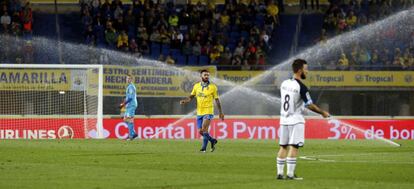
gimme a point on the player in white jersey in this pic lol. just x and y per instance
(295, 98)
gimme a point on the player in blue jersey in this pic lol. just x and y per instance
(131, 105)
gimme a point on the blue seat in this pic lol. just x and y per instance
(220, 7)
(164, 46)
(181, 59)
(245, 34)
(259, 20)
(174, 53)
(165, 49)
(235, 28)
(234, 40)
(155, 48)
(203, 60)
(226, 34)
(234, 34)
(192, 60)
(231, 46)
(155, 45)
(131, 32)
(155, 55)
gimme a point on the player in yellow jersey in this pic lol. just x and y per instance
(205, 93)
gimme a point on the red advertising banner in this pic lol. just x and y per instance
(263, 129)
(171, 128)
(42, 128)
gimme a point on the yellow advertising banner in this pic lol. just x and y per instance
(152, 81)
(326, 78)
(254, 77)
(164, 82)
(35, 79)
(360, 79)
(237, 77)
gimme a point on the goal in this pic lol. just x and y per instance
(48, 101)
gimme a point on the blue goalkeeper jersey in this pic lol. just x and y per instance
(131, 96)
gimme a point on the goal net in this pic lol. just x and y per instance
(50, 101)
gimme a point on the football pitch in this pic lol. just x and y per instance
(178, 164)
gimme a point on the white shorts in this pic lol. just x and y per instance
(292, 135)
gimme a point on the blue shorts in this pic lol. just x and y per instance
(130, 111)
(203, 117)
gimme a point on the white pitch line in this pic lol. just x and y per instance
(307, 158)
(356, 154)
(378, 162)
(329, 155)
(367, 162)
(327, 160)
(315, 159)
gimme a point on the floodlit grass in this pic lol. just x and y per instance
(178, 164)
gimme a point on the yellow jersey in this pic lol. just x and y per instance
(205, 98)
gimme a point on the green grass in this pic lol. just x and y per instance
(178, 164)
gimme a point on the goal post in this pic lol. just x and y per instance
(47, 101)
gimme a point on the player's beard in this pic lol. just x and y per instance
(205, 80)
(303, 76)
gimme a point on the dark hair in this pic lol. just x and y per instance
(201, 72)
(298, 64)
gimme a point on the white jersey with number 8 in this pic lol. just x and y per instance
(294, 98)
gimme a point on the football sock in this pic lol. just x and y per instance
(131, 129)
(205, 140)
(211, 139)
(280, 165)
(291, 164)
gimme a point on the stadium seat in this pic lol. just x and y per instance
(235, 28)
(234, 34)
(175, 52)
(155, 48)
(245, 34)
(192, 60)
(232, 46)
(234, 40)
(155, 55)
(181, 59)
(220, 7)
(165, 49)
(203, 60)
(259, 20)
(131, 32)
